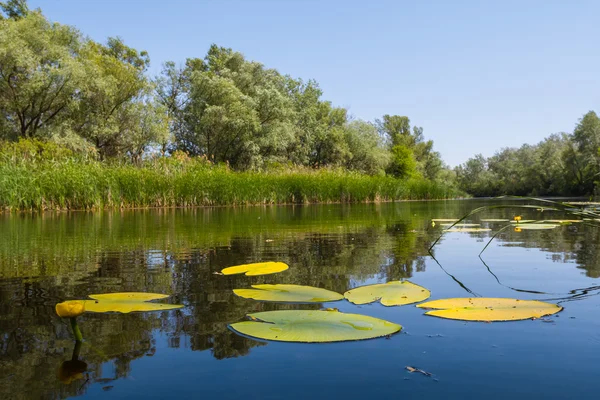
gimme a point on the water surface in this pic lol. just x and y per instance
(45, 259)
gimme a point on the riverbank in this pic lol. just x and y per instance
(75, 184)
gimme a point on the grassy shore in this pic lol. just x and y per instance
(71, 183)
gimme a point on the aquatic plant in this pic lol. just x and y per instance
(288, 294)
(111, 302)
(489, 309)
(73, 184)
(313, 326)
(394, 293)
(263, 268)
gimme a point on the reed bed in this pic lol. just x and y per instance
(77, 184)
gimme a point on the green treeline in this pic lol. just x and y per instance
(560, 165)
(97, 116)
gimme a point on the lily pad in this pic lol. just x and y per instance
(561, 221)
(263, 268)
(489, 309)
(127, 302)
(535, 226)
(394, 293)
(445, 219)
(288, 294)
(313, 326)
(461, 225)
(525, 221)
(467, 230)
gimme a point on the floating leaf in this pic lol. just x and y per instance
(489, 309)
(467, 230)
(460, 225)
(445, 220)
(561, 221)
(535, 226)
(70, 308)
(494, 220)
(264, 268)
(288, 293)
(525, 221)
(394, 293)
(313, 326)
(127, 302)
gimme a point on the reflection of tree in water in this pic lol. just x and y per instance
(177, 253)
(576, 243)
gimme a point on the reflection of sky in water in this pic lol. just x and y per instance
(191, 352)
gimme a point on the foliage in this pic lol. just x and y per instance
(288, 294)
(560, 165)
(263, 268)
(313, 326)
(489, 309)
(169, 181)
(393, 293)
(96, 101)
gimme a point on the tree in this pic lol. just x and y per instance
(14, 9)
(396, 130)
(40, 74)
(114, 80)
(366, 152)
(403, 163)
(586, 138)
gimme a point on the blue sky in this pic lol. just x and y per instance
(476, 75)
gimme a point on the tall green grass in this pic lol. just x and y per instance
(74, 183)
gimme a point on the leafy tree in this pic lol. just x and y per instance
(365, 150)
(396, 131)
(14, 9)
(403, 163)
(586, 137)
(40, 74)
(114, 81)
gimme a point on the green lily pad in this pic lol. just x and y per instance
(445, 219)
(288, 294)
(394, 293)
(313, 326)
(489, 309)
(263, 268)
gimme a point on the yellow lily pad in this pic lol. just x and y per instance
(461, 225)
(263, 268)
(489, 309)
(127, 302)
(288, 294)
(561, 221)
(535, 226)
(308, 326)
(467, 230)
(394, 293)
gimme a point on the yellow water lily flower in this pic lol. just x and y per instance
(70, 308)
(517, 218)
